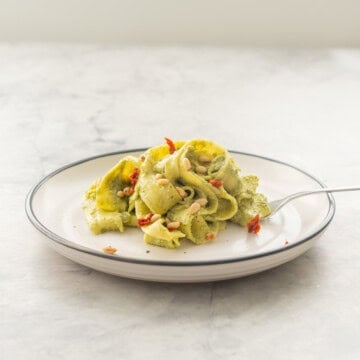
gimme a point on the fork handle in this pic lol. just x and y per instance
(291, 197)
(337, 189)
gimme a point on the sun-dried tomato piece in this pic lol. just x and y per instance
(134, 176)
(171, 145)
(253, 225)
(109, 250)
(145, 220)
(216, 183)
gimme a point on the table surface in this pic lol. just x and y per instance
(62, 103)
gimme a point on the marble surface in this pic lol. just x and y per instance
(62, 103)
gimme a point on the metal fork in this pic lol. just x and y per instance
(276, 205)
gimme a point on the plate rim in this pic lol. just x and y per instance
(69, 244)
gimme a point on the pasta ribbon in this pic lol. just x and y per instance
(176, 191)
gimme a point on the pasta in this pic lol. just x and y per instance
(180, 190)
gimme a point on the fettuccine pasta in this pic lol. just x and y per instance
(176, 191)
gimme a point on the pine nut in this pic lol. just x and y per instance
(202, 201)
(155, 217)
(186, 163)
(163, 181)
(167, 221)
(126, 191)
(120, 194)
(204, 159)
(173, 225)
(201, 169)
(194, 207)
(159, 176)
(181, 192)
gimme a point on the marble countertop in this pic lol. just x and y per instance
(62, 103)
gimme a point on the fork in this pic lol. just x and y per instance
(276, 205)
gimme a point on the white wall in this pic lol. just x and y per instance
(241, 22)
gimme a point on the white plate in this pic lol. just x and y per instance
(54, 208)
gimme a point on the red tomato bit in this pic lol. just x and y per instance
(171, 145)
(216, 183)
(253, 225)
(134, 176)
(109, 250)
(145, 220)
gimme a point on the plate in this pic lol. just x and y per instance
(54, 207)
